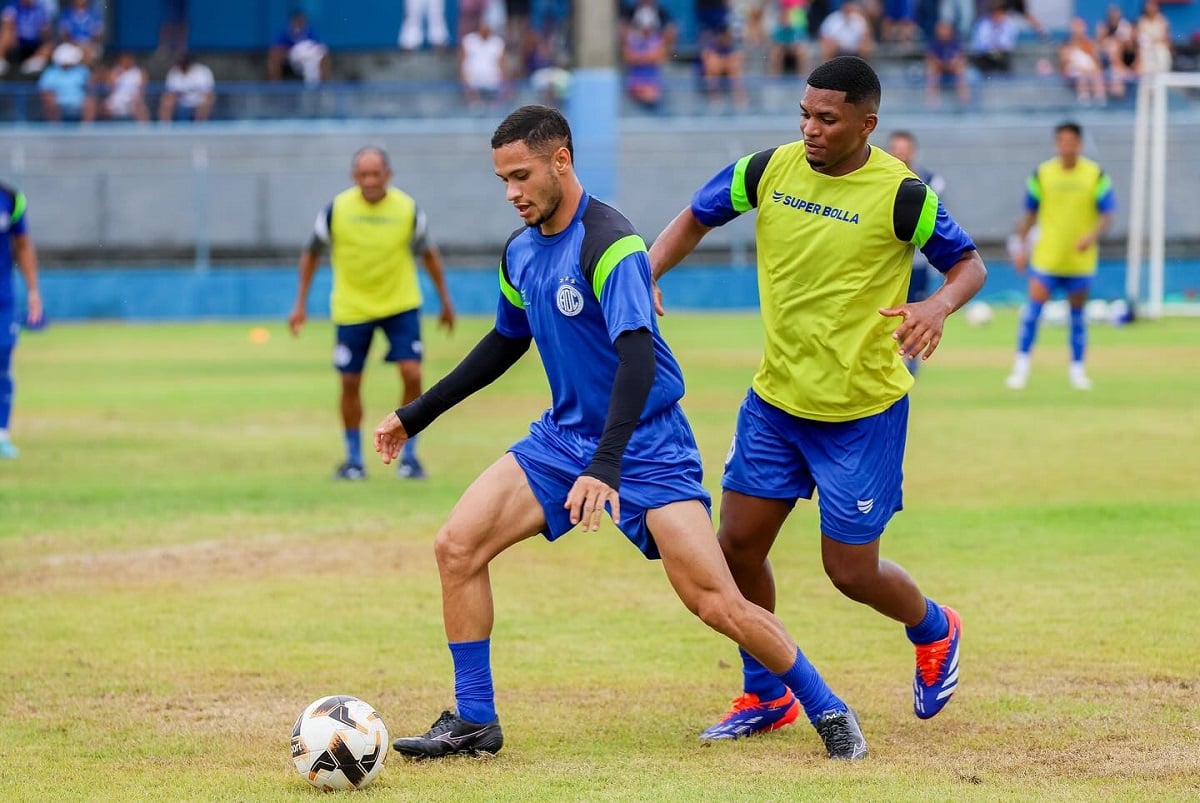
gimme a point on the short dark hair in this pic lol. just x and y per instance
(375, 149)
(851, 75)
(539, 127)
(1070, 125)
(900, 133)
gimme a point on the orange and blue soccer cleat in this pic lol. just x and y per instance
(936, 677)
(749, 716)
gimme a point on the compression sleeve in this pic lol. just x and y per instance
(631, 389)
(491, 357)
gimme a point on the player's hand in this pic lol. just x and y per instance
(656, 292)
(921, 331)
(1085, 242)
(446, 319)
(1020, 262)
(586, 502)
(296, 320)
(389, 438)
(34, 303)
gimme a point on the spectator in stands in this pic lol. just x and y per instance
(790, 38)
(82, 25)
(994, 40)
(118, 93)
(846, 32)
(1021, 9)
(899, 21)
(173, 28)
(63, 85)
(945, 61)
(471, 14)
(722, 67)
(546, 67)
(644, 52)
(481, 65)
(424, 22)
(298, 53)
(1153, 40)
(1118, 47)
(25, 36)
(712, 16)
(960, 13)
(664, 23)
(1079, 62)
(189, 93)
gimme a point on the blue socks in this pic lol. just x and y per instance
(473, 690)
(1027, 330)
(934, 627)
(759, 680)
(1078, 335)
(810, 689)
(354, 447)
(409, 450)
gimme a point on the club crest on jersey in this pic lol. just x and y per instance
(568, 299)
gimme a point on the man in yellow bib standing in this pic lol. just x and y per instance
(836, 226)
(1071, 199)
(375, 233)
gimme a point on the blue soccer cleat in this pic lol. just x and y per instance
(936, 677)
(350, 471)
(749, 716)
(410, 468)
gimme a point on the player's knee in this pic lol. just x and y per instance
(455, 553)
(716, 609)
(852, 579)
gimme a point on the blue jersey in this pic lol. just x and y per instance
(575, 292)
(12, 224)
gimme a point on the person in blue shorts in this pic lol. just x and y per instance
(16, 249)
(827, 412)
(576, 280)
(375, 233)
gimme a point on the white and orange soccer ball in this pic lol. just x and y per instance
(339, 742)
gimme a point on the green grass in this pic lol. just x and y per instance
(179, 577)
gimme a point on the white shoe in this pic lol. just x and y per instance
(1079, 380)
(1016, 381)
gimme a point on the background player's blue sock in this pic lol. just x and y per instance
(934, 627)
(473, 689)
(759, 680)
(1078, 334)
(810, 688)
(354, 447)
(410, 449)
(1027, 330)
(6, 385)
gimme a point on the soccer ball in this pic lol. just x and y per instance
(978, 313)
(339, 742)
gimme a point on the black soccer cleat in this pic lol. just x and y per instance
(842, 736)
(452, 735)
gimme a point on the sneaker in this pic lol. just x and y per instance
(750, 716)
(1078, 379)
(7, 450)
(937, 670)
(410, 468)
(1016, 381)
(452, 735)
(350, 471)
(843, 738)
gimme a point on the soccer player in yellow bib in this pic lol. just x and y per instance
(374, 233)
(837, 223)
(1071, 199)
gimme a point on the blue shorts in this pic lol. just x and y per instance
(661, 465)
(1067, 284)
(855, 466)
(354, 341)
(10, 327)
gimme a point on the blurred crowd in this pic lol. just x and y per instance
(496, 45)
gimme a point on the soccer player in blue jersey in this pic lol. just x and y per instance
(16, 248)
(828, 409)
(576, 279)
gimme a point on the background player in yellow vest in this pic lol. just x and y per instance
(828, 409)
(375, 232)
(1071, 199)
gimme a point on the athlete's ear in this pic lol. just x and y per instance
(562, 159)
(870, 120)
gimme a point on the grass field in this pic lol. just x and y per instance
(179, 577)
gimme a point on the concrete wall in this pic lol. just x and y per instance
(260, 186)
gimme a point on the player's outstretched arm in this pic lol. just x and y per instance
(487, 362)
(676, 241)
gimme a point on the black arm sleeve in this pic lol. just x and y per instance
(490, 358)
(631, 388)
